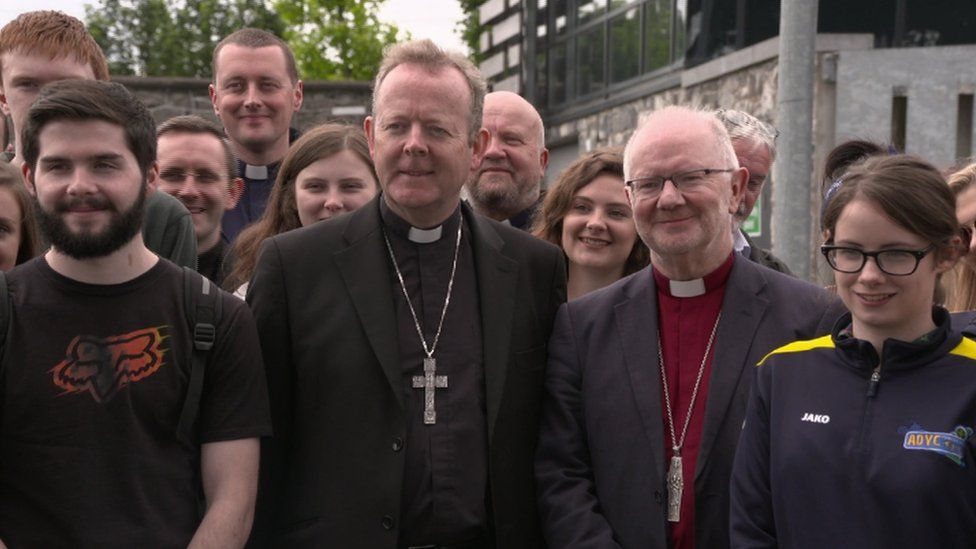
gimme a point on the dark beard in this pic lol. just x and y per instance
(121, 228)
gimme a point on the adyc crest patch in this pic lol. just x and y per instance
(951, 445)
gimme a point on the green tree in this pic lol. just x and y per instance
(336, 39)
(470, 28)
(171, 37)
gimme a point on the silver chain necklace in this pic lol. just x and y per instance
(675, 477)
(430, 380)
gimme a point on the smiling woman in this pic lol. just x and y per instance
(881, 410)
(587, 214)
(326, 172)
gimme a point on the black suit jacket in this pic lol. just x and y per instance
(765, 257)
(600, 466)
(323, 299)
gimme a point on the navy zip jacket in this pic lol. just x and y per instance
(839, 451)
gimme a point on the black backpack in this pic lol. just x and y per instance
(203, 309)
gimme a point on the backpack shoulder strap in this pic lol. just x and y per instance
(202, 302)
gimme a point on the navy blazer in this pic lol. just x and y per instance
(600, 464)
(323, 299)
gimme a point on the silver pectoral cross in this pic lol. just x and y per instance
(429, 382)
(675, 483)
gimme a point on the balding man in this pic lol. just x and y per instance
(506, 185)
(647, 378)
(754, 142)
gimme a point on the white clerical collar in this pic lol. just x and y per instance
(687, 288)
(424, 236)
(255, 172)
(739, 242)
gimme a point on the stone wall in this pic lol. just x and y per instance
(752, 89)
(324, 101)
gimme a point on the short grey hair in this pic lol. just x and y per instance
(708, 116)
(745, 127)
(430, 56)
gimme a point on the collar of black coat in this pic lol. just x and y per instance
(898, 355)
(400, 227)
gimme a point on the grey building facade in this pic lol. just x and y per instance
(897, 71)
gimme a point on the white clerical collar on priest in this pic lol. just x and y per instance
(687, 288)
(255, 172)
(424, 236)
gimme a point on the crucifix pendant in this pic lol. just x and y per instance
(675, 482)
(429, 382)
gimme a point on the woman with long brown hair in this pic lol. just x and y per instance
(587, 214)
(326, 172)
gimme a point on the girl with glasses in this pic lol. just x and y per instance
(864, 437)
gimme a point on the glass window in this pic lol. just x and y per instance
(588, 10)
(541, 21)
(590, 70)
(625, 45)
(490, 9)
(557, 74)
(541, 79)
(657, 34)
(559, 16)
(680, 22)
(614, 4)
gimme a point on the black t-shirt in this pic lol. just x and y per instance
(94, 379)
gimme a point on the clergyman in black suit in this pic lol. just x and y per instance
(406, 342)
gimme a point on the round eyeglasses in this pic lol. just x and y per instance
(893, 262)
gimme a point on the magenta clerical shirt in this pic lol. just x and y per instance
(685, 324)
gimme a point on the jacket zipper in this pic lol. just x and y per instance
(872, 391)
(873, 384)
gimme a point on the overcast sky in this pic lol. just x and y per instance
(434, 19)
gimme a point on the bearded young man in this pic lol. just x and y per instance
(96, 363)
(40, 47)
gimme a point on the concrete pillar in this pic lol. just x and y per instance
(793, 171)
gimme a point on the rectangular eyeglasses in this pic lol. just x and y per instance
(692, 180)
(893, 262)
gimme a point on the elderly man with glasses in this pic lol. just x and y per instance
(647, 379)
(754, 142)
